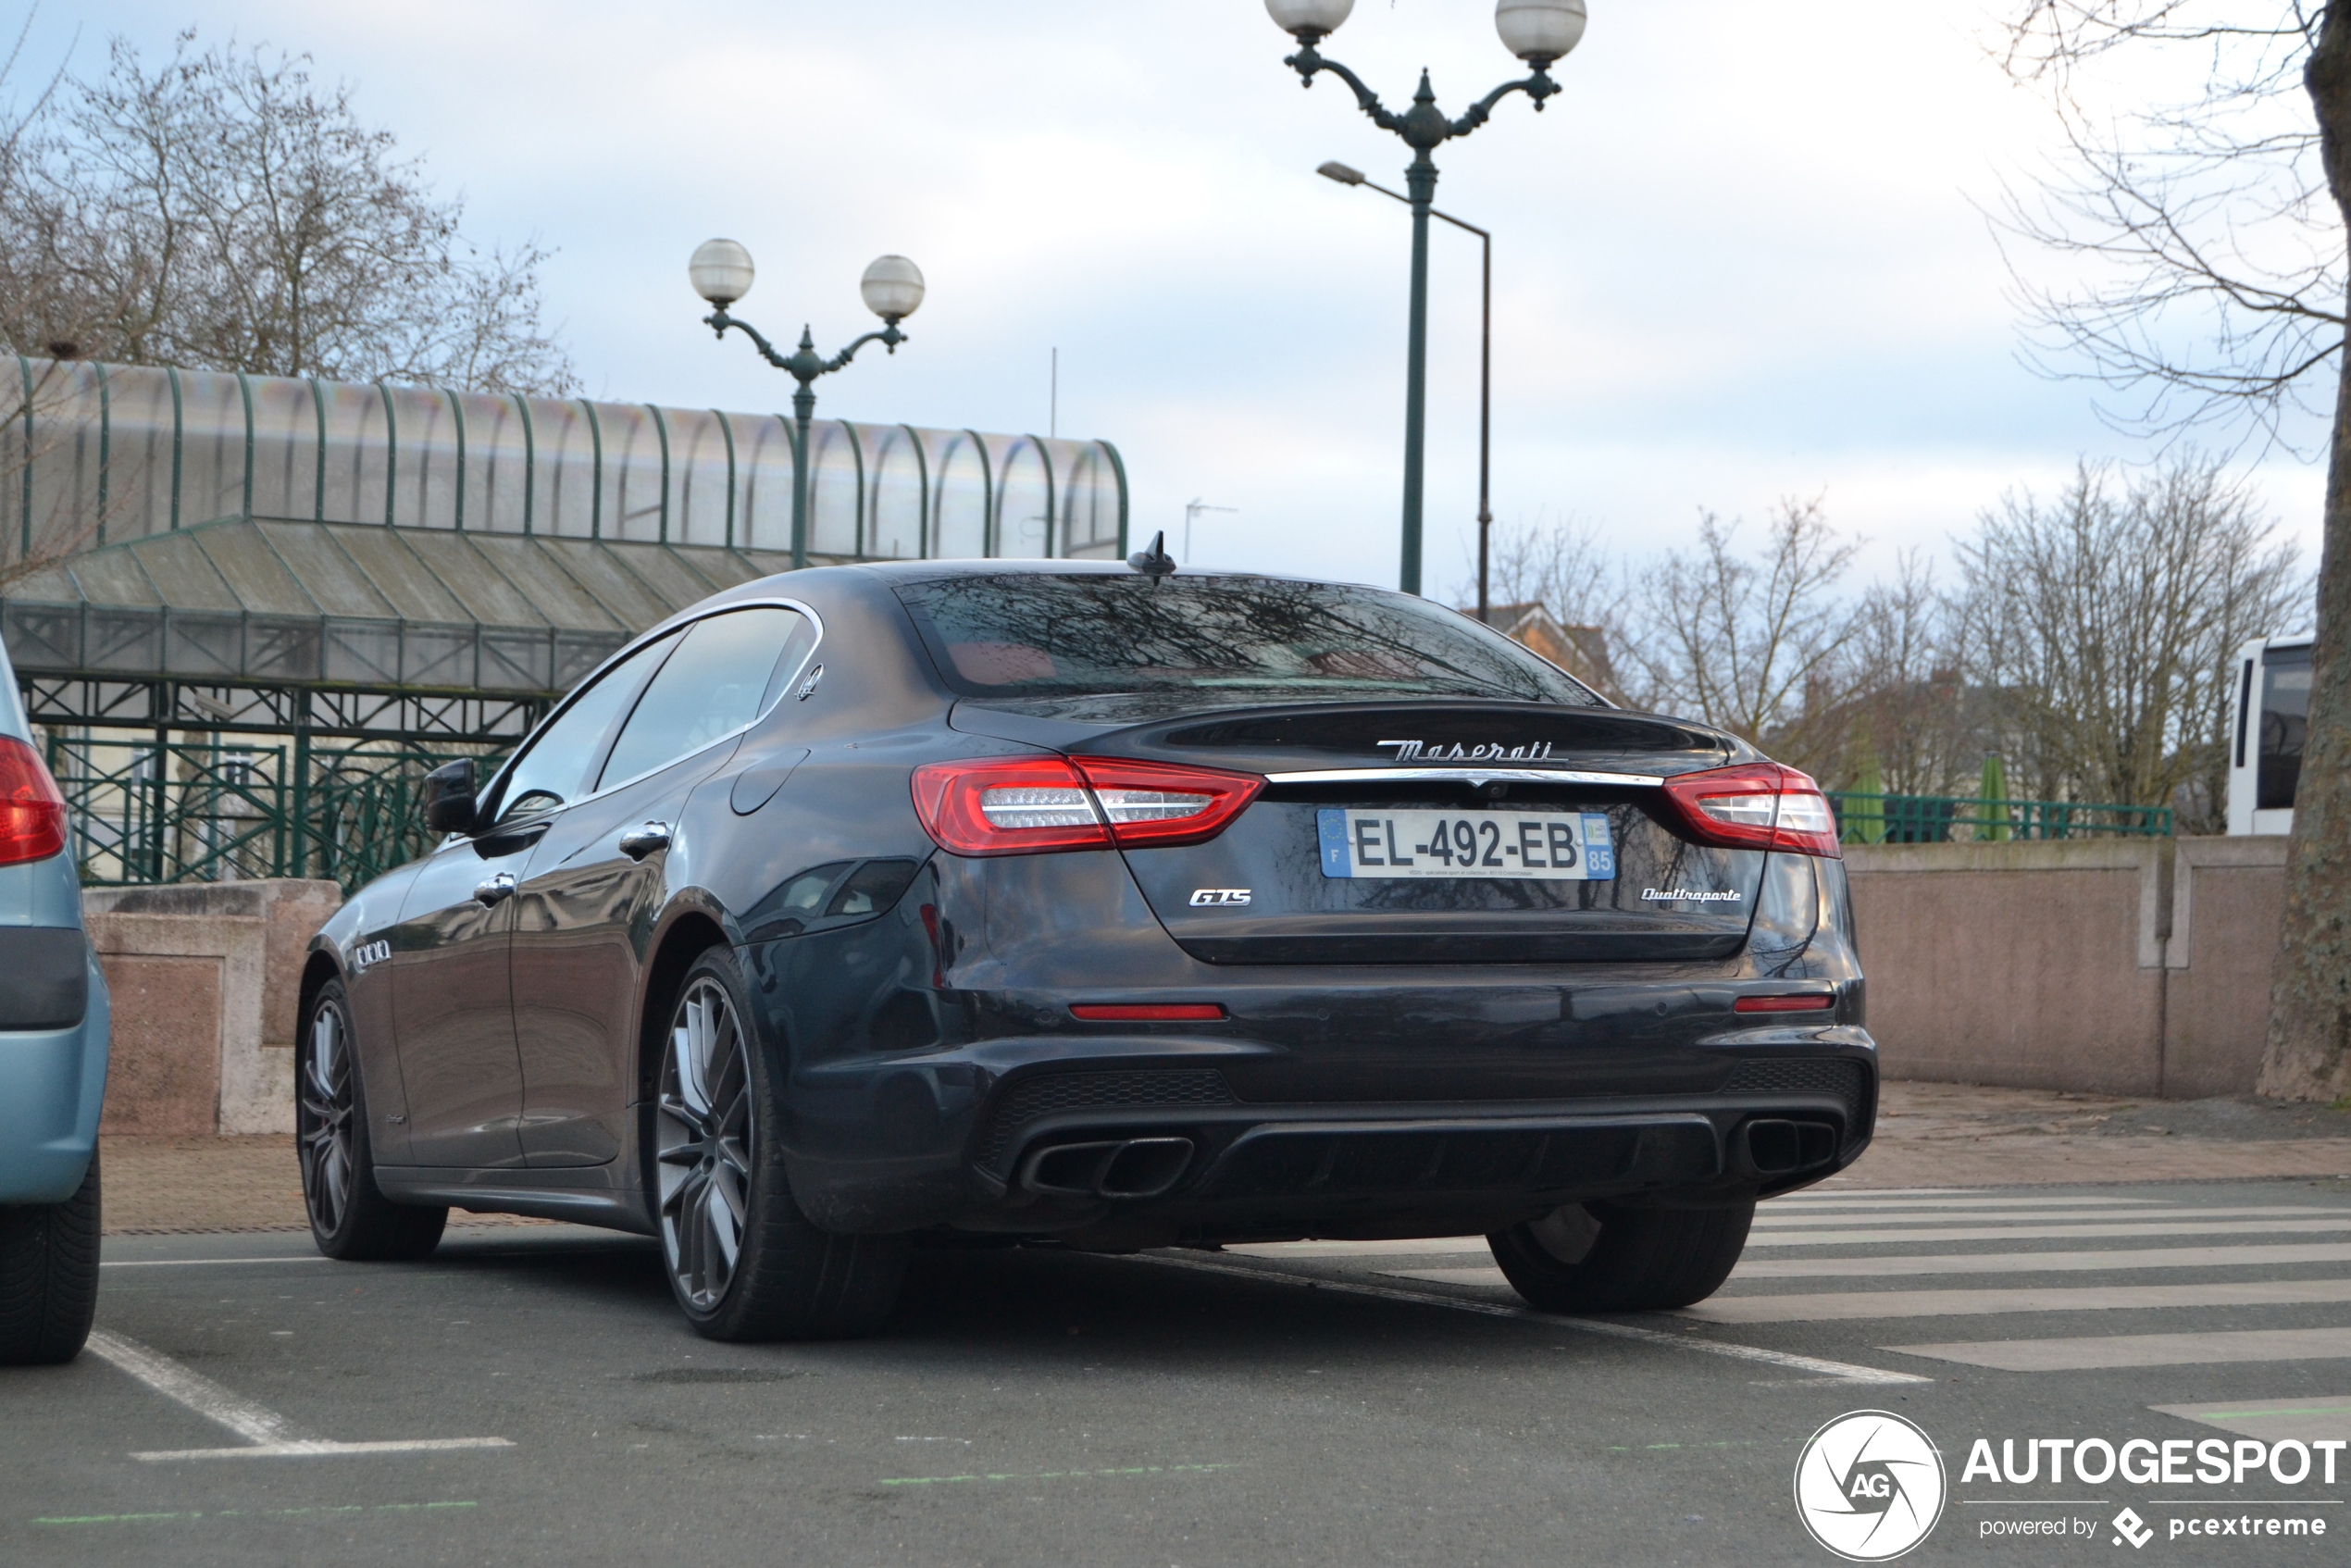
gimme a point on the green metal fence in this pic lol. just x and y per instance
(218, 811)
(1936, 820)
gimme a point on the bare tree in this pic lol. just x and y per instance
(1912, 705)
(44, 409)
(2100, 624)
(1760, 645)
(223, 210)
(1566, 570)
(2215, 230)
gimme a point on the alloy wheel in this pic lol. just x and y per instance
(326, 1131)
(703, 1139)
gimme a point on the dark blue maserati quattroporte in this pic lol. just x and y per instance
(1109, 906)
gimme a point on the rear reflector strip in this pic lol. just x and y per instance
(1813, 1003)
(1149, 1013)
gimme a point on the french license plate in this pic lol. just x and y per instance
(1561, 846)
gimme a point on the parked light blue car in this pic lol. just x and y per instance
(52, 1064)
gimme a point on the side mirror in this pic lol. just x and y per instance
(448, 797)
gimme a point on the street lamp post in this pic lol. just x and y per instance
(892, 288)
(1538, 31)
(1346, 176)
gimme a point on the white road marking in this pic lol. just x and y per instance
(1844, 1372)
(2100, 1352)
(308, 1451)
(1766, 1219)
(268, 1434)
(2044, 1262)
(206, 1263)
(2024, 1233)
(1849, 1304)
(199, 1393)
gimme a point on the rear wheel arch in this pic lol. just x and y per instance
(316, 970)
(692, 933)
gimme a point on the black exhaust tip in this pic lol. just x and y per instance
(1777, 1148)
(1125, 1167)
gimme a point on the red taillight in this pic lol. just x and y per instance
(32, 815)
(1016, 805)
(1757, 806)
(1027, 806)
(1152, 805)
(1813, 1003)
(1149, 1013)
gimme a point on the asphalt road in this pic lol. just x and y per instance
(249, 1403)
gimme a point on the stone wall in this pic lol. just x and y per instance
(203, 978)
(2135, 966)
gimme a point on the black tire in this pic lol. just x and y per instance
(49, 1276)
(1607, 1258)
(350, 1217)
(715, 1164)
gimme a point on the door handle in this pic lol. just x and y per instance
(641, 841)
(496, 890)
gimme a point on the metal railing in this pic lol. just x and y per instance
(221, 812)
(1937, 819)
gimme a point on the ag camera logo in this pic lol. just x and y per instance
(1870, 1485)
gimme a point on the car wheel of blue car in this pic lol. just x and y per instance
(350, 1217)
(744, 1261)
(49, 1276)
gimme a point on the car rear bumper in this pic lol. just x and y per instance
(52, 1086)
(1150, 1135)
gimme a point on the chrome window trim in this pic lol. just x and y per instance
(1464, 776)
(667, 628)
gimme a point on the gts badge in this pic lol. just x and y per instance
(1205, 897)
(367, 956)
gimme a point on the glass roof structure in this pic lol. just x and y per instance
(269, 540)
(100, 454)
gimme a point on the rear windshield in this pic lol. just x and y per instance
(1033, 634)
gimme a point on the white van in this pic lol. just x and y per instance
(2268, 714)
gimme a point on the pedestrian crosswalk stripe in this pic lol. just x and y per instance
(1834, 1188)
(1850, 1304)
(2020, 1232)
(2100, 1352)
(1953, 1262)
(1805, 1203)
(1766, 1219)
(2041, 1263)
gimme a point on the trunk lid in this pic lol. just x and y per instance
(1315, 872)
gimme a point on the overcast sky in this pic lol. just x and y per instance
(1742, 256)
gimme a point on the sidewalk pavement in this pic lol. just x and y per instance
(1928, 1135)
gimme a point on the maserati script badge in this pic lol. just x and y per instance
(1437, 751)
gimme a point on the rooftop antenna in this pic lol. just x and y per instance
(1154, 562)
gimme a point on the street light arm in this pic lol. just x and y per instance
(1537, 87)
(1309, 60)
(889, 336)
(718, 321)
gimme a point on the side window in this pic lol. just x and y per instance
(555, 767)
(716, 684)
